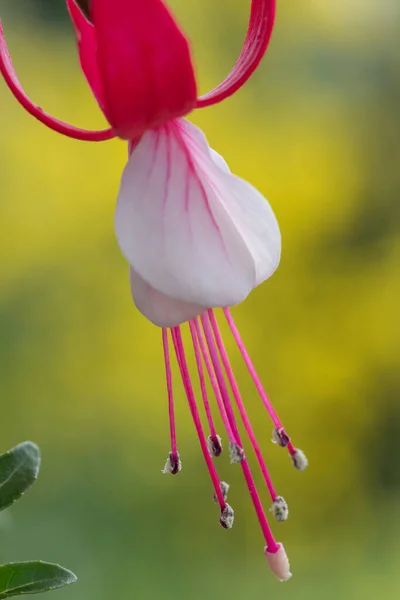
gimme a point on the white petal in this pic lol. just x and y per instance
(190, 228)
(159, 308)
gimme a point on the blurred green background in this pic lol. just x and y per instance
(81, 372)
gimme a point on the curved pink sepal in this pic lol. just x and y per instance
(11, 79)
(87, 44)
(261, 23)
(145, 65)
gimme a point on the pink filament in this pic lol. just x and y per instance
(187, 384)
(253, 373)
(214, 383)
(240, 405)
(268, 535)
(258, 35)
(220, 379)
(291, 448)
(200, 370)
(11, 79)
(267, 402)
(168, 375)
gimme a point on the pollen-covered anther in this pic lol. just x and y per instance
(227, 517)
(299, 460)
(280, 437)
(280, 509)
(214, 445)
(278, 562)
(236, 453)
(224, 489)
(173, 464)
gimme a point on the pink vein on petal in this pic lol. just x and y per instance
(155, 152)
(167, 174)
(168, 166)
(187, 187)
(187, 143)
(180, 138)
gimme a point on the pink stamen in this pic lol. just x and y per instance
(268, 535)
(203, 387)
(168, 375)
(11, 79)
(253, 373)
(260, 389)
(187, 384)
(240, 405)
(220, 378)
(214, 383)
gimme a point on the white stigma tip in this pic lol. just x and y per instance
(224, 489)
(280, 437)
(236, 453)
(280, 509)
(227, 517)
(214, 445)
(279, 564)
(173, 464)
(299, 460)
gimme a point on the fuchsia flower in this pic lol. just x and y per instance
(196, 236)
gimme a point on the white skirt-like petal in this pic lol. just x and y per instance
(159, 308)
(189, 228)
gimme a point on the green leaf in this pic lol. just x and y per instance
(19, 469)
(32, 578)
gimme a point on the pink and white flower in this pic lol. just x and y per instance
(196, 236)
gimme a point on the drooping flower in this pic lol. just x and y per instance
(196, 236)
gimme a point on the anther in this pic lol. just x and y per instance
(173, 464)
(278, 562)
(280, 509)
(224, 489)
(227, 517)
(280, 437)
(214, 445)
(236, 453)
(299, 460)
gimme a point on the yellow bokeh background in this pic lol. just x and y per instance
(81, 371)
